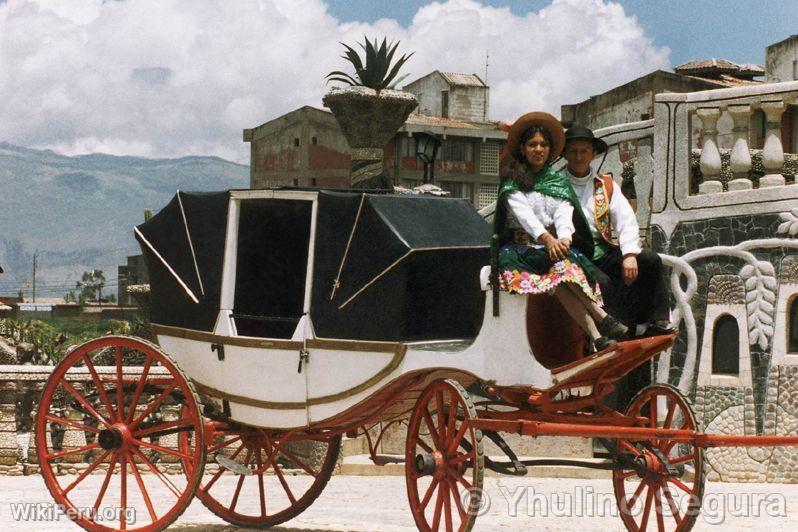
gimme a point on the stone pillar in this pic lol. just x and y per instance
(773, 151)
(740, 160)
(8, 423)
(74, 438)
(710, 155)
(170, 441)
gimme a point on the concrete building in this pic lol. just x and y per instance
(305, 147)
(134, 272)
(781, 60)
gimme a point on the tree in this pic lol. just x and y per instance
(90, 286)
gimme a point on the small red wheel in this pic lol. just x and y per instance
(444, 459)
(113, 403)
(252, 461)
(666, 493)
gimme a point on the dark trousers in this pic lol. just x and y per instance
(645, 300)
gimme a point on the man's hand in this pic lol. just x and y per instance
(629, 269)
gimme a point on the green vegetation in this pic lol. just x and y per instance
(377, 72)
(46, 341)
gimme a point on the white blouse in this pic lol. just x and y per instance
(535, 212)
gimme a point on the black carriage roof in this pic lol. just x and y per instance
(385, 266)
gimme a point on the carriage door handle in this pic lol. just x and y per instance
(219, 349)
(303, 359)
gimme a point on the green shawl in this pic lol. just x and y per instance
(553, 183)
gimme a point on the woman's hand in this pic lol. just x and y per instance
(556, 248)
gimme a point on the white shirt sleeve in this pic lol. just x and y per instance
(524, 213)
(624, 223)
(563, 219)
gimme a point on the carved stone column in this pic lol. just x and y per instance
(773, 151)
(8, 423)
(740, 160)
(710, 155)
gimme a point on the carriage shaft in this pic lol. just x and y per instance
(700, 439)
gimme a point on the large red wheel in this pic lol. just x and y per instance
(444, 459)
(112, 405)
(666, 494)
(280, 480)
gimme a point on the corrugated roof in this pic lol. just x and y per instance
(462, 80)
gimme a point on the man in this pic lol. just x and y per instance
(634, 287)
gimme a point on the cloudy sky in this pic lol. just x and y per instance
(167, 78)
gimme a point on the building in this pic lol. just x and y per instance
(305, 147)
(134, 272)
(781, 60)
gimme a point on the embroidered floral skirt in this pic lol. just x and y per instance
(529, 270)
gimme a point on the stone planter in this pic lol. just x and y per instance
(369, 120)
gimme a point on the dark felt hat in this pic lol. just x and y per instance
(544, 120)
(583, 133)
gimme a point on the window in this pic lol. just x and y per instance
(296, 142)
(457, 150)
(487, 194)
(792, 340)
(795, 70)
(445, 104)
(314, 140)
(489, 158)
(726, 346)
(645, 116)
(458, 189)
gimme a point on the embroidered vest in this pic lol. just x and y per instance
(602, 195)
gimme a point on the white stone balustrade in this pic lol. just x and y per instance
(772, 151)
(710, 161)
(740, 159)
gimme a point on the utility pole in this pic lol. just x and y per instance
(35, 256)
(485, 102)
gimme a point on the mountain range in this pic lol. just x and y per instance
(77, 212)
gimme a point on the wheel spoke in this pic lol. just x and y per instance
(431, 427)
(458, 503)
(123, 490)
(659, 510)
(106, 481)
(120, 388)
(669, 415)
(139, 388)
(164, 450)
(682, 459)
(168, 483)
(222, 469)
(638, 491)
(452, 415)
(680, 484)
(298, 462)
(652, 412)
(247, 458)
(284, 483)
(186, 422)
(455, 442)
(629, 447)
(82, 401)
(436, 516)
(429, 492)
(421, 443)
(73, 424)
(447, 506)
(135, 470)
(646, 509)
(153, 405)
(77, 450)
(216, 447)
(87, 472)
(441, 418)
(261, 492)
(672, 503)
(99, 385)
(460, 479)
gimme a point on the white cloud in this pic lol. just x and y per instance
(175, 77)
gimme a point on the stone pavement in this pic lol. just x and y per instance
(370, 504)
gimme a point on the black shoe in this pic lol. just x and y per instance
(602, 343)
(612, 328)
(659, 329)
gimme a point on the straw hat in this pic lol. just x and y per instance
(537, 118)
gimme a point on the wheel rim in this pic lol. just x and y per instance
(661, 500)
(283, 481)
(121, 423)
(444, 459)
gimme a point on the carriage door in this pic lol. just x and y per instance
(269, 301)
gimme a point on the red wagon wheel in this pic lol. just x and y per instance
(667, 494)
(103, 431)
(287, 478)
(444, 459)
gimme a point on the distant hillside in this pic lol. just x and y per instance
(79, 212)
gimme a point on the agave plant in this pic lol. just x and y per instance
(377, 73)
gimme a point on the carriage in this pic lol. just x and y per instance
(285, 319)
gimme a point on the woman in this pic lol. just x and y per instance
(535, 200)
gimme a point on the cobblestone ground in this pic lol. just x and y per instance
(370, 504)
